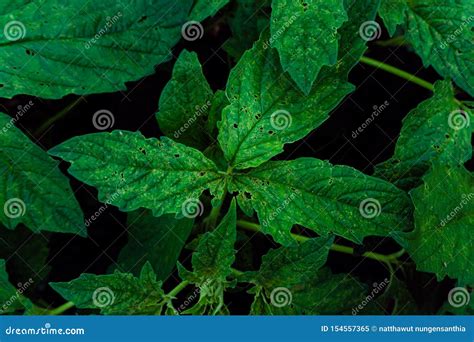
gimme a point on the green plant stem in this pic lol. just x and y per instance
(398, 72)
(57, 116)
(391, 258)
(180, 287)
(61, 309)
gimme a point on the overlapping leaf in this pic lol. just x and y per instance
(438, 129)
(305, 35)
(266, 111)
(35, 192)
(9, 295)
(440, 31)
(322, 197)
(133, 172)
(115, 294)
(206, 8)
(53, 48)
(185, 103)
(442, 242)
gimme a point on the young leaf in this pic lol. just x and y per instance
(215, 253)
(266, 111)
(324, 198)
(442, 241)
(206, 8)
(441, 32)
(9, 295)
(158, 240)
(115, 294)
(305, 35)
(85, 47)
(133, 172)
(35, 192)
(185, 103)
(435, 130)
(289, 266)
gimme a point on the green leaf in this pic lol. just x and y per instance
(57, 48)
(185, 103)
(35, 192)
(393, 13)
(289, 266)
(324, 198)
(329, 294)
(266, 111)
(305, 35)
(323, 294)
(115, 294)
(158, 240)
(133, 172)
(442, 241)
(206, 8)
(215, 252)
(440, 31)
(351, 44)
(437, 129)
(9, 295)
(246, 22)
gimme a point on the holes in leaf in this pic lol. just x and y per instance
(142, 19)
(236, 126)
(30, 52)
(176, 155)
(1, 85)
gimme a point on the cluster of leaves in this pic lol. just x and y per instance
(291, 71)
